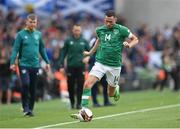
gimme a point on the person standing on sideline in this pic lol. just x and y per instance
(28, 44)
(74, 47)
(109, 45)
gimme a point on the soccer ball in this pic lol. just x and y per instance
(85, 115)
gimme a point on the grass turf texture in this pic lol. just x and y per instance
(55, 112)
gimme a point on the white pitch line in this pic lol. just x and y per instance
(59, 124)
(119, 114)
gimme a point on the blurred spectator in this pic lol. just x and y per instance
(167, 69)
(158, 41)
(5, 75)
(167, 32)
(176, 53)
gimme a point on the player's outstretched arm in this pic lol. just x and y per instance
(93, 50)
(133, 41)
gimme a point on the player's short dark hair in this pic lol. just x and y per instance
(32, 16)
(110, 13)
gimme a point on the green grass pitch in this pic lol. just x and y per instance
(142, 109)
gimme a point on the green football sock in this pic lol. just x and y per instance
(117, 93)
(85, 97)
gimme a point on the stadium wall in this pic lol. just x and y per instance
(153, 12)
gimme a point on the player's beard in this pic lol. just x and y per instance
(110, 26)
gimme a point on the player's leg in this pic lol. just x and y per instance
(114, 92)
(95, 74)
(113, 76)
(91, 80)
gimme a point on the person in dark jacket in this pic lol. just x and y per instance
(74, 47)
(28, 44)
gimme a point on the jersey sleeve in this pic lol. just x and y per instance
(16, 48)
(125, 32)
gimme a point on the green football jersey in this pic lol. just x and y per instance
(111, 40)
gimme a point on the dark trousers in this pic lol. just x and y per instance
(176, 78)
(94, 91)
(75, 77)
(28, 80)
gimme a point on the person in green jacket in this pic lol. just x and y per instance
(27, 46)
(74, 47)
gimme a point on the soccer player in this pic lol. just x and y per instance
(109, 45)
(28, 44)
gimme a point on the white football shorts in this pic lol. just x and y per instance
(112, 73)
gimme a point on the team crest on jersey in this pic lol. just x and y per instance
(36, 37)
(116, 31)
